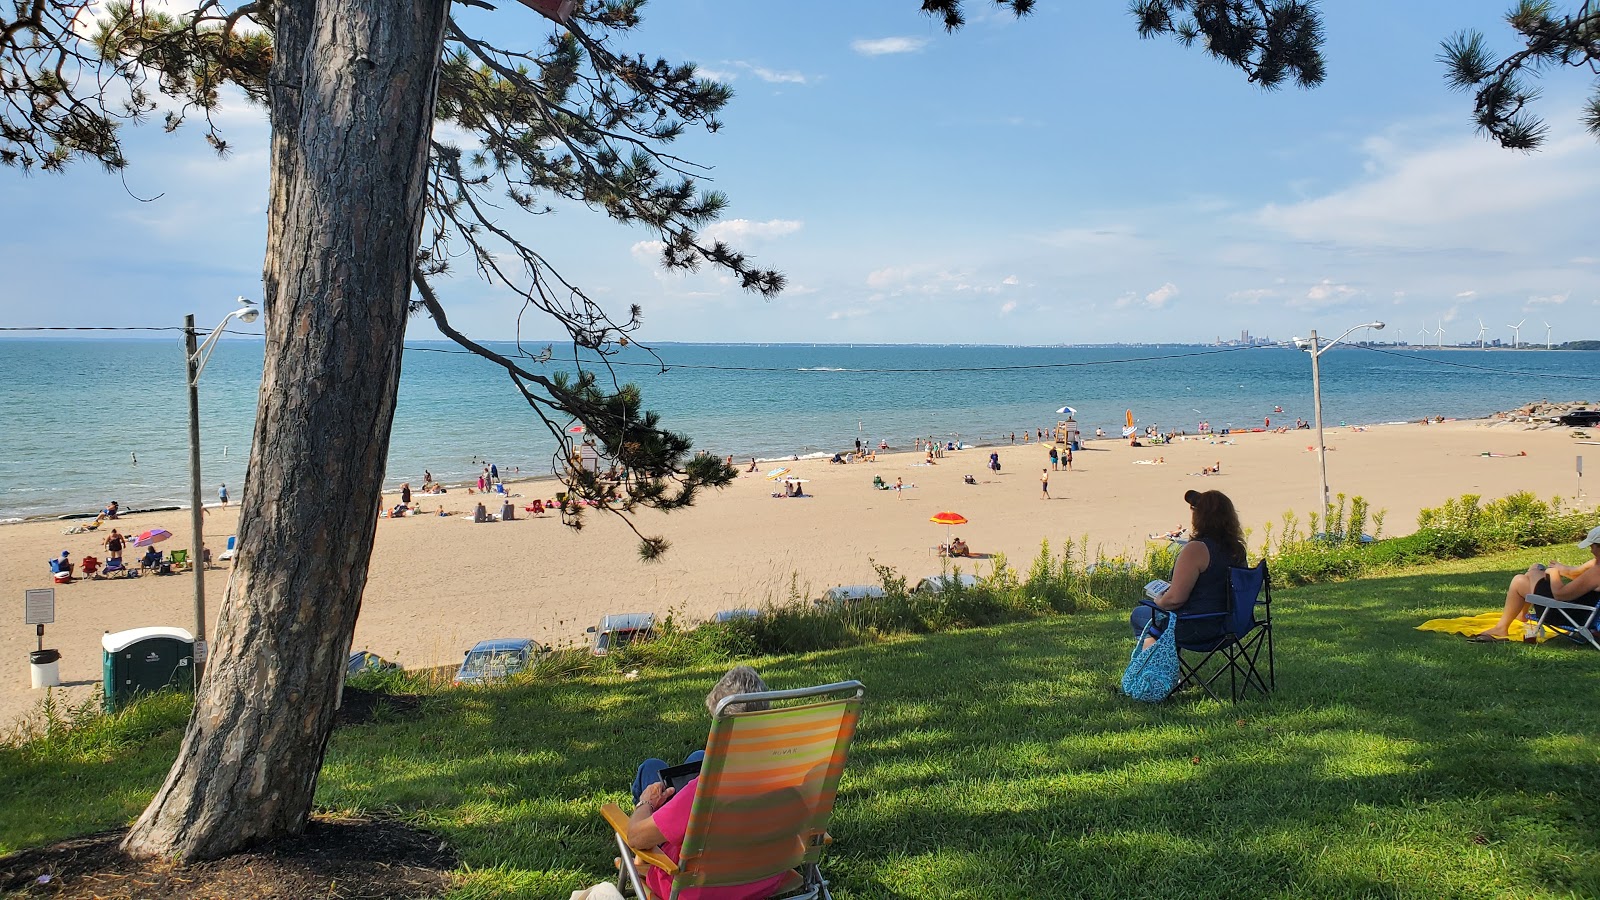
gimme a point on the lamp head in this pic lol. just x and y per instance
(1377, 325)
(248, 313)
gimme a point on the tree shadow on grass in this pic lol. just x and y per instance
(999, 760)
(1002, 762)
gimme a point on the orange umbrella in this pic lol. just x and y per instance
(948, 518)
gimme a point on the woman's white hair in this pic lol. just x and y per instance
(739, 680)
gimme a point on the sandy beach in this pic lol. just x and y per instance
(438, 584)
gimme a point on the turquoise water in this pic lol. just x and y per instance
(74, 414)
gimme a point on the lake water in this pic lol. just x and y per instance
(76, 414)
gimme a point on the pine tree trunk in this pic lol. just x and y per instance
(352, 95)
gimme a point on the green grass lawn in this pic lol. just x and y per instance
(1001, 762)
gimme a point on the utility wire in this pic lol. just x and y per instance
(878, 371)
(1456, 365)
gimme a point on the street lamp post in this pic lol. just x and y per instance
(196, 358)
(1311, 345)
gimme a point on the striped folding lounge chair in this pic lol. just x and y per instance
(764, 798)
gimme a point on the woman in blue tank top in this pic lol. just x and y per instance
(1200, 574)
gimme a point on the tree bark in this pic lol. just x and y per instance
(352, 97)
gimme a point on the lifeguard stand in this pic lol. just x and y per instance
(1067, 433)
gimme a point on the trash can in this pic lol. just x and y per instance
(144, 660)
(44, 665)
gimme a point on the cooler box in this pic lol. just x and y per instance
(144, 660)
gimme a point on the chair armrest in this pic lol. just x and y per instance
(618, 820)
(1180, 612)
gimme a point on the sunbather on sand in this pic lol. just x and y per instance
(1570, 584)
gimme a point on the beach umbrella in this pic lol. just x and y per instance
(777, 473)
(1067, 411)
(948, 519)
(153, 536)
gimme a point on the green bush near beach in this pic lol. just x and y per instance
(1000, 761)
(1461, 528)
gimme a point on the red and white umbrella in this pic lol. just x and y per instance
(153, 536)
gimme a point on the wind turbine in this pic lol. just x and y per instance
(1547, 335)
(1481, 331)
(1423, 333)
(1516, 333)
(1441, 334)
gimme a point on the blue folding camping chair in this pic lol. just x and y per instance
(1237, 651)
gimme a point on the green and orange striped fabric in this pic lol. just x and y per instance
(766, 792)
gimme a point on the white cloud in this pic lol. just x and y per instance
(1250, 297)
(1158, 298)
(774, 77)
(647, 252)
(1548, 300)
(746, 230)
(889, 277)
(1585, 260)
(1008, 307)
(735, 67)
(840, 314)
(1009, 279)
(1466, 295)
(1324, 293)
(1439, 198)
(882, 46)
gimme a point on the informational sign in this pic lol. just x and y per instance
(200, 653)
(39, 606)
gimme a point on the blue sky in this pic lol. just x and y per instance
(1048, 180)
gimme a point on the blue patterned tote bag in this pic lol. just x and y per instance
(1152, 671)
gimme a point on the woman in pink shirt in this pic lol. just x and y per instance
(661, 815)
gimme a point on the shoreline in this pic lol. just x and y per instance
(762, 461)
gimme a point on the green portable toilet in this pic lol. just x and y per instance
(144, 660)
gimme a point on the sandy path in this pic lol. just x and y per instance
(438, 584)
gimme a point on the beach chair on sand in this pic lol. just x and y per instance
(1236, 652)
(763, 799)
(179, 559)
(1576, 621)
(227, 552)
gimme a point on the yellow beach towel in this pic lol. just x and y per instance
(1471, 625)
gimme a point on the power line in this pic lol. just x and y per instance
(94, 328)
(879, 371)
(1456, 365)
(901, 371)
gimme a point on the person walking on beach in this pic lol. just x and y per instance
(222, 494)
(114, 542)
(494, 473)
(899, 486)
(1044, 483)
(1068, 458)
(1054, 459)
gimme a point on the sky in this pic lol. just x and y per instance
(1046, 180)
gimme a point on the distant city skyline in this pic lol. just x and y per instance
(922, 187)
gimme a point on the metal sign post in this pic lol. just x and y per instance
(1580, 482)
(39, 610)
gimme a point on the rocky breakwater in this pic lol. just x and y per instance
(1540, 414)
